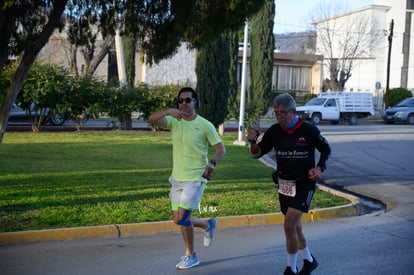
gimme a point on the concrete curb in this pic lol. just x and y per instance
(351, 209)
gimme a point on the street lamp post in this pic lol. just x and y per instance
(119, 53)
(240, 140)
(120, 59)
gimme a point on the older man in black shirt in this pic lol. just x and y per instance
(294, 143)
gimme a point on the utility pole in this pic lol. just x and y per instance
(120, 59)
(119, 53)
(387, 87)
(240, 140)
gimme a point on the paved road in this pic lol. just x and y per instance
(360, 245)
(375, 160)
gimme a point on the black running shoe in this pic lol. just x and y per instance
(308, 267)
(288, 271)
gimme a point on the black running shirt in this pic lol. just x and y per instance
(295, 150)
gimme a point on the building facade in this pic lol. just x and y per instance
(295, 73)
(371, 71)
(298, 73)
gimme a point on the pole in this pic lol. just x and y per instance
(119, 53)
(387, 87)
(240, 140)
(120, 59)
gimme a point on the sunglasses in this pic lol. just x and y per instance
(186, 100)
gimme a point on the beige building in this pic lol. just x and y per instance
(299, 73)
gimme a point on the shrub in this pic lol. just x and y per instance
(41, 90)
(81, 99)
(396, 95)
(119, 103)
(157, 98)
(6, 79)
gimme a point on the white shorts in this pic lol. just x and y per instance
(186, 194)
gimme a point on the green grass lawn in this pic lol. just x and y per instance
(68, 179)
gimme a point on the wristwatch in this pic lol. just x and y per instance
(214, 162)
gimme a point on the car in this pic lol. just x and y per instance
(402, 112)
(19, 114)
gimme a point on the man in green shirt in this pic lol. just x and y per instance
(191, 136)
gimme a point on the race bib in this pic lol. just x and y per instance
(287, 187)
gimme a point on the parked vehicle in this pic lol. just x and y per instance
(402, 112)
(338, 106)
(19, 114)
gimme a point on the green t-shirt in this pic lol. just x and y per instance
(191, 140)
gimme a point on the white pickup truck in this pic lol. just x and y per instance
(337, 106)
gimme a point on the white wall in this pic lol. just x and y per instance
(368, 71)
(344, 28)
(410, 83)
(178, 69)
(397, 13)
(363, 76)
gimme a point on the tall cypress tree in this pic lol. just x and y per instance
(233, 100)
(129, 54)
(212, 70)
(261, 61)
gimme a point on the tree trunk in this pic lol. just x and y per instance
(73, 62)
(26, 63)
(106, 46)
(126, 122)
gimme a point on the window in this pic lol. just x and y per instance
(410, 4)
(295, 79)
(292, 78)
(287, 78)
(284, 78)
(331, 103)
(305, 79)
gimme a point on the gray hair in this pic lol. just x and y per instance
(286, 100)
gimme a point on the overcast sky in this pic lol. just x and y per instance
(293, 15)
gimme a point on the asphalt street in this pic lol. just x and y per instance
(369, 244)
(373, 160)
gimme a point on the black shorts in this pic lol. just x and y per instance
(301, 201)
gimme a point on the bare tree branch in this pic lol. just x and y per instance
(344, 39)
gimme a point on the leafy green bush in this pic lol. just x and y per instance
(157, 98)
(42, 88)
(396, 95)
(119, 103)
(44, 85)
(81, 99)
(6, 79)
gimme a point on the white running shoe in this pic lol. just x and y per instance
(209, 232)
(188, 261)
